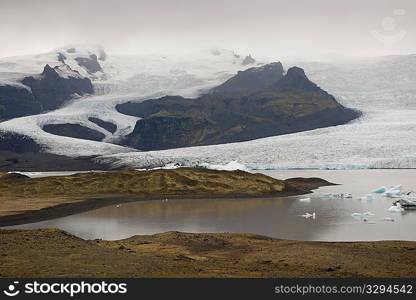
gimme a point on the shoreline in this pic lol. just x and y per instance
(72, 208)
(29, 200)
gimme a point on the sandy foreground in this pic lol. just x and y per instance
(55, 253)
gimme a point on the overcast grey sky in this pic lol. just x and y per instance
(262, 27)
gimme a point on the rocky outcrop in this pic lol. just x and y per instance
(90, 63)
(75, 131)
(252, 80)
(43, 92)
(295, 79)
(17, 143)
(271, 105)
(110, 127)
(17, 101)
(57, 85)
(248, 60)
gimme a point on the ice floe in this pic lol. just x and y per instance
(381, 190)
(336, 195)
(367, 197)
(309, 215)
(396, 208)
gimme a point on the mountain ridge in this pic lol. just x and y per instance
(234, 112)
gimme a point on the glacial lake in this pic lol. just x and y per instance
(274, 217)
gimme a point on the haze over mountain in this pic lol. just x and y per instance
(265, 28)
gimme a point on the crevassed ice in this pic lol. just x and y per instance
(384, 89)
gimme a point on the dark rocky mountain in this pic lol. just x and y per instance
(110, 127)
(44, 92)
(17, 101)
(90, 63)
(17, 143)
(252, 80)
(57, 85)
(248, 60)
(273, 104)
(74, 130)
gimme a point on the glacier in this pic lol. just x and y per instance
(383, 88)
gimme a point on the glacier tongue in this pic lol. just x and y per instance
(382, 88)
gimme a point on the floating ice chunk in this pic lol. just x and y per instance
(396, 208)
(365, 217)
(368, 213)
(367, 198)
(307, 200)
(231, 166)
(308, 215)
(388, 219)
(393, 194)
(340, 195)
(394, 191)
(357, 216)
(381, 190)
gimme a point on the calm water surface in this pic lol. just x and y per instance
(275, 217)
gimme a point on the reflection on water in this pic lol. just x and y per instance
(276, 217)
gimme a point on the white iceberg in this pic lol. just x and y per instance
(388, 219)
(394, 192)
(308, 215)
(231, 166)
(381, 190)
(357, 216)
(396, 208)
(367, 198)
(307, 200)
(337, 195)
(368, 213)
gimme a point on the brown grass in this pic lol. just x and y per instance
(54, 253)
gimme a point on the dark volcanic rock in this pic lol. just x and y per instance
(90, 63)
(57, 85)
(171, 132)
(252, 80)
(46, 91)
(286, 105)
(75, 131)
(40, 161)
(110, 127)
(17, 143)
(295, 78)
(17, 101)
(61, 57)
(248, 60)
